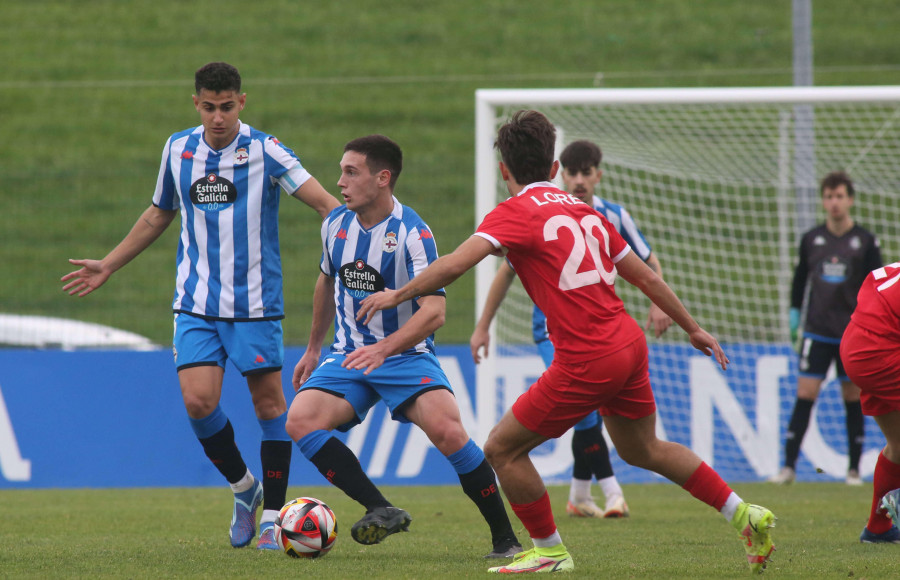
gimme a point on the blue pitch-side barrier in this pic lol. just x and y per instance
(115, 419)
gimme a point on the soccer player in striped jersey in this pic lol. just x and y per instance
(870, 349)
(568, 256)
(371, 243)
(225, 178)
(581, 174)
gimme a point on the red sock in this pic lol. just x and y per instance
(886, 478)
(706, 485)
(537, 516)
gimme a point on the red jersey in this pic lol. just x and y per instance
(878, 302)
(565, 254)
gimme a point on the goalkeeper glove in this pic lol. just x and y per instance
(794, 322)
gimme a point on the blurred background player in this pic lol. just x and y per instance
(834, 260)
(226, 179)
(372, 243)
(870, 349)
(601, 352)
(581, 174)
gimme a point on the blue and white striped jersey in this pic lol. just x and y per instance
(228, 265)
(619, 217)
(363, 262)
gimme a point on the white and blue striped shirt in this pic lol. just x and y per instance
(364, 261)
(619, 217)
(228, 265)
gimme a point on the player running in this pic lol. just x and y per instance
(567, 257)
(581, 175)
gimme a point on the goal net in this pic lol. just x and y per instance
(722, 182)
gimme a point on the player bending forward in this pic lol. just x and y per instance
(870, 350)
(567, 256)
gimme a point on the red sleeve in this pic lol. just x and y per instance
(507, 226)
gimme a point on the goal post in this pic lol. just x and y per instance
(713, 178)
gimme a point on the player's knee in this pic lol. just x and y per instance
(296, 427)
(447, 436)
(495, 453)
(636, 456)
(300, 421)
(269, 408)
(198, 407)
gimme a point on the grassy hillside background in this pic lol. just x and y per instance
(89, 92)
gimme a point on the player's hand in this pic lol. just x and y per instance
(480, 340)
(794, 323)
(368, 357)
(708, 345)
(87, 279)
(304, 367)
(375, 302)
(658, 320)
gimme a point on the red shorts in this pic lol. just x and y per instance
(873, 364)
(617, 384)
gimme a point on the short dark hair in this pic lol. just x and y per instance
(836, 179)
(217, 77)
(581, 155)
(381, 153)
(526, 144)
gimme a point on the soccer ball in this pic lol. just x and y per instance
(305, 528)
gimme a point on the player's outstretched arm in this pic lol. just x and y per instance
(636, 272)
(440, 273)
(481, 336)
(314, 195)
(323, 314)
(93, 273)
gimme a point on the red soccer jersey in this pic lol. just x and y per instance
(878, 302)
(565, 254)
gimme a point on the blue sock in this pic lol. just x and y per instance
(273, 429)
(210, 425)
(310, 443)
(466, 459)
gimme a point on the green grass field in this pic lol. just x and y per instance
(181, 533)
(89, 92)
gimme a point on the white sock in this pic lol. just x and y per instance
(244, 483)
(548, 542)
(580, 490)
(731, 505)
(268, 516)
(610, 486)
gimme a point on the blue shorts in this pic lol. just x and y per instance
(398, 381)
(546, 350)
(253, 346)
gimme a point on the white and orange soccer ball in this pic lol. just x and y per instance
(305, 528)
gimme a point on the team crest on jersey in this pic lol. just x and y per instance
(834, 270)
(855, 243)
(213, 193)
(390, 242)
(361, 279)
(241, 156)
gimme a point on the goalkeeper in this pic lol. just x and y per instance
(581, 173)
(834, 260)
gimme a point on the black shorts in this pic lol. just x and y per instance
(816, 356)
